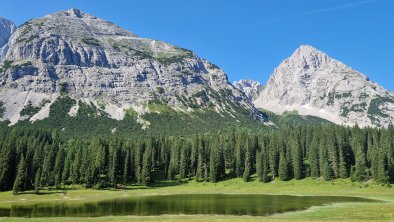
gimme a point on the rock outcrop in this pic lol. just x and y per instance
(250, 87)
(7, 27)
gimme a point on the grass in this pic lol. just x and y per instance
(383, 211)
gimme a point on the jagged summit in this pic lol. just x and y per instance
(308, 57)
(72, 13)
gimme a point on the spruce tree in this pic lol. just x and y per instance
(313, 158)
(183, 164)
(19, 183)
(328, 173)
(259, 166)
(360, 173)
(127, 171)
(382, 172)
(343, 171)
(146, 168)
(283, 168)
(248, 159)
(265, 178)
(37, 181)
(297, 158)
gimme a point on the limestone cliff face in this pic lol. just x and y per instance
(314, 84)
(74, 53)
(251, 88)
(7, 27)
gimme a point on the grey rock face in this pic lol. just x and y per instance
(92, 59)
(7, 27)
(250, 87)
(314, 84)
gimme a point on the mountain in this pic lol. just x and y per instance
(312, 83)
(250, 87)
(77, 64)
(7, 27)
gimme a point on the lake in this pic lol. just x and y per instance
(220, 204)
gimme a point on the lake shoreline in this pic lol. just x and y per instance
(306, 187)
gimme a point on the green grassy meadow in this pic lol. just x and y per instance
(382, 211)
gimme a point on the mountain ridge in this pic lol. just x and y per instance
(95, 62)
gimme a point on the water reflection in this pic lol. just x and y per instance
(223, 204)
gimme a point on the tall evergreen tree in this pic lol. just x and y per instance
(313, 158)
(37, 181)
(248, 159)
(146, 167)
(259, 166)
(20, 181)
(283, 168)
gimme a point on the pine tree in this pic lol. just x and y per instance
(138, 154)
(146, 168)
(283, 168)
(259, 166)
(7, 165)
(382, 172)
(328, 173)
(19, 183)
(343, 171)
(247, 168)
(239, 161)
(297, 158)
(127, 171)
(360, 173)
(213, 174)
(115, 167)
(200, 168)
(37, 181)
(265, 178)
(183, 164)
(58, 168)
(313, 158)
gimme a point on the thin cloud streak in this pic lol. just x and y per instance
(314, 12)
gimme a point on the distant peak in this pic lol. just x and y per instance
(308, 49)
(307, 56)
(74, 13)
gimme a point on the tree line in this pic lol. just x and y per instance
(37, 159)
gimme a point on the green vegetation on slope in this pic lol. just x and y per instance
(92, 121)
(289, 119)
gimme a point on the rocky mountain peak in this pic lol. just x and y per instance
(312, 83)
(72, 13)
(307, 57)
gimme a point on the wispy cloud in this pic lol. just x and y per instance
(314, 12)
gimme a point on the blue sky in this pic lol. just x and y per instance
(249, 38)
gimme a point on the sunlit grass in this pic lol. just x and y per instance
(337, 212)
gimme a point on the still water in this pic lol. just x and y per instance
(222, 204)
